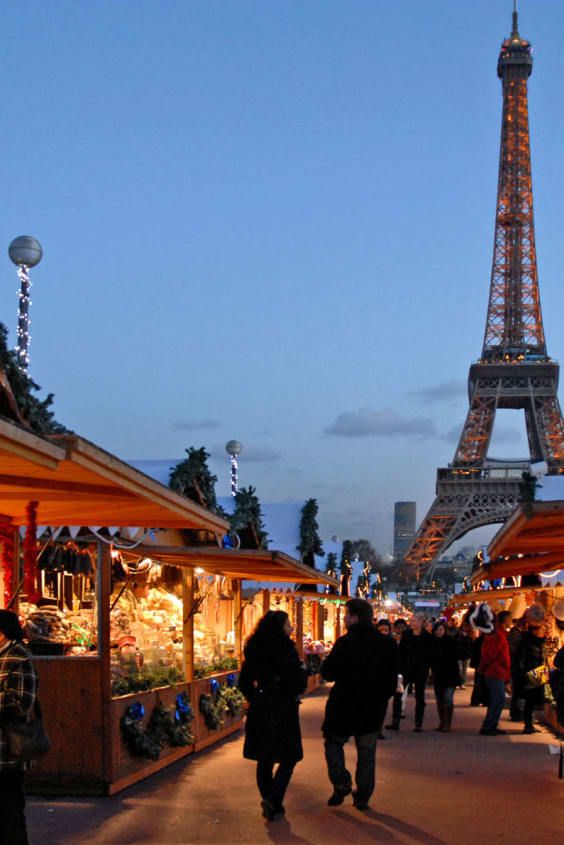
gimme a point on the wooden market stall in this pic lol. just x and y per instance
(140, 626)
(526, 561)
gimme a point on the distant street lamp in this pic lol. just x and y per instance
(25, 252)
(233, 449)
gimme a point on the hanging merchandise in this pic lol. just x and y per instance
(518, 606)
(30, 554)
(8, 563)
(558, 610)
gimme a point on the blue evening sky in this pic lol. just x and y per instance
(272, 220)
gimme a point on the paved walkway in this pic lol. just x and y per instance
(432, 789)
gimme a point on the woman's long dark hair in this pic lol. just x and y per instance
(268, 635)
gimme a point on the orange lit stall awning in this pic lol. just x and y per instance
(461, 599)
(248, 565)
(77, 483)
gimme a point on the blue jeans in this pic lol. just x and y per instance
(365, 775)
(496, 689)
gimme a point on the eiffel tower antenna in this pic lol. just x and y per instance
(514, 370)
(515, 29)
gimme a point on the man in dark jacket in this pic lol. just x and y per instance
(364, 666)
(18, 685)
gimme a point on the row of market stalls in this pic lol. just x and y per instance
(134, 612)
(526, 566)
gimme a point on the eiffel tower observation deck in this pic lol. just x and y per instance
(514, 370)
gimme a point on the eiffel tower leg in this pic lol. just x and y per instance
(455, 512)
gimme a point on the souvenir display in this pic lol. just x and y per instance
(214, 625)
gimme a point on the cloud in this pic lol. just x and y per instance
(258, 455)
(383, 423)
(196, 425)
(441, 392)
(453, 434)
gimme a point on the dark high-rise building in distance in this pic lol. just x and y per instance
(404, 528)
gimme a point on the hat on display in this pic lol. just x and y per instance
(482, 619)
(535, 614)
(10, 625)
(518, 606)
(558, 610)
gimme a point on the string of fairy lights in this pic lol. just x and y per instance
(24, 322)
(25, 252)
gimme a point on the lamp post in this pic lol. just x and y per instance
(24, 252)
(233, 449)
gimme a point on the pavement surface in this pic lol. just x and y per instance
(432, 789)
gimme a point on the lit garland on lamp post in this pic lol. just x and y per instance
(233, 449)
(24, 252)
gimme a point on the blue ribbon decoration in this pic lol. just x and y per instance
(231, 679)
(136, 711)
(214, 685)
(183, 708)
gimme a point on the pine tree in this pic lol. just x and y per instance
(346, 568)
(346, 555)
(246, 520)
(192, 478)
(331, 564)
(310, 542)
(19, 387)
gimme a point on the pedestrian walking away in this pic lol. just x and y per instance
(464, 642)
(495, 663)
(446, 675)
(531, 655)
(18, 689)
(272, 678)
(415, 661)
(363, 664)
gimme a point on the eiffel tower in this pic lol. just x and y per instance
(514, 370)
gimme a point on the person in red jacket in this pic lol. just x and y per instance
(495, 666)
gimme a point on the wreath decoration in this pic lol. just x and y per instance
(141, 743)
(213, 707)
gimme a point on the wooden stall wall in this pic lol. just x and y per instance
(127, 768)
(70, 692)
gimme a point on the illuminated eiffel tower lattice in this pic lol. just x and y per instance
(514, 370)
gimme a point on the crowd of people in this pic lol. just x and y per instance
(372, 664)
(377, 662)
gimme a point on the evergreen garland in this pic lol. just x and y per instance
(33, 411)
(166, 727)
(213, 709)
(233, 699)
(246, 520)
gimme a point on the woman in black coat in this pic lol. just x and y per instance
(272, 678)
(446, 673)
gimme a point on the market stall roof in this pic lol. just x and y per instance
(533, 528)
(77, 483)
(525, 565)
(489, 595)
(248, 565)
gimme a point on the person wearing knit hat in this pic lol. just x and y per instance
(18, 687)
